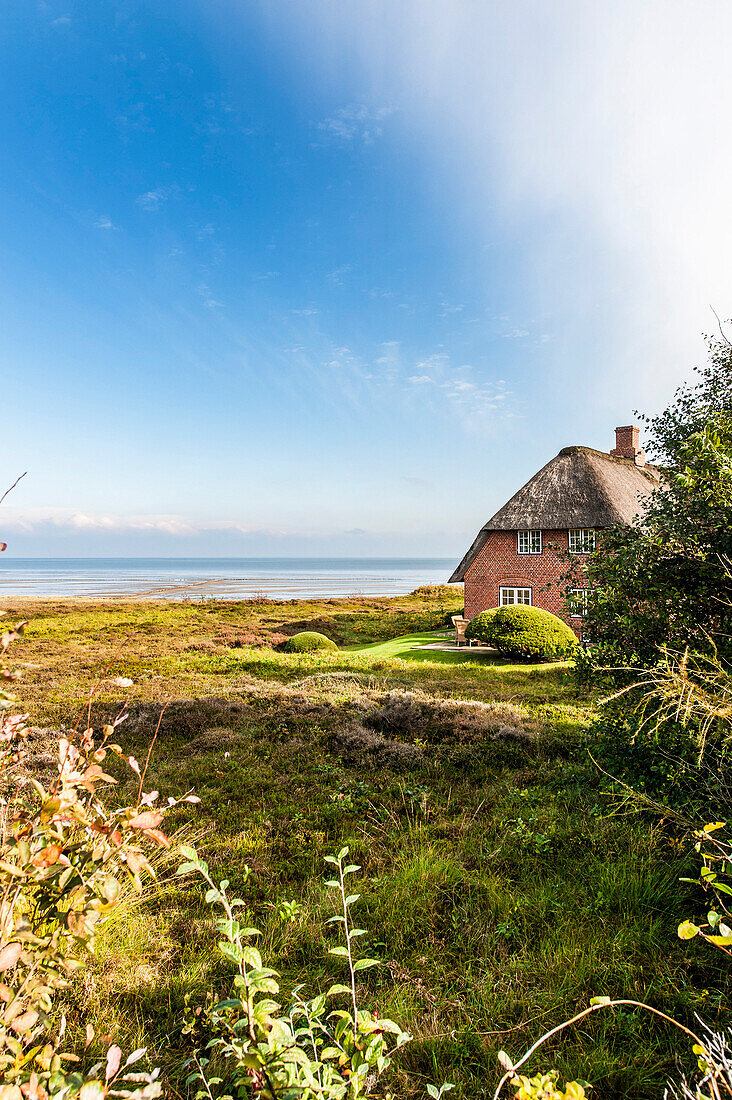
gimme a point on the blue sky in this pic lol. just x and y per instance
(337, 278)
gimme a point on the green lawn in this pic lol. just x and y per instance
(500, 889)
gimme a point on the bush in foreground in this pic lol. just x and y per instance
(527, 633)
(480, 628)
(307, 641)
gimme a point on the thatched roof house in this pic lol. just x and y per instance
(581, 489)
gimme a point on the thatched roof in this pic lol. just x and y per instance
(581, 487)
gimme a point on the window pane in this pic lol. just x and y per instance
(582, 540)
(529, 542)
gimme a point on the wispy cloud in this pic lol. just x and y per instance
(134, 118)
(355, 122)
(337, 276)
(590, 134)
(447, 309)
(151, 200)
(207, 297)
(61, 21)
(103, 222)
(473, 397)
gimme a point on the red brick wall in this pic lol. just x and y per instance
(498, 564)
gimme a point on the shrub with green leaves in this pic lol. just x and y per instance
(307, 641)
(480, 628)
(308, 1050)
(531, 634)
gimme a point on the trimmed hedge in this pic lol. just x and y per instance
(479, 629)
(526, 633)
(307, 641)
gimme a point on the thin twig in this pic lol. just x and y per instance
(721, 330)
(149, 751)
(586, 1012)
(7, 491)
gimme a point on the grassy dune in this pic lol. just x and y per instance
(500, 889)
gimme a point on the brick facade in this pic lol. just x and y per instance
(498, 564)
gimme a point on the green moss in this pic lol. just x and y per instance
(307, 641)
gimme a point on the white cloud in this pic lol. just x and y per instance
(63, 520)
(207, 297)
(594, 136)
(103, 222)
(62, 21)
(355, 122)
(153, 200)
(337, 275)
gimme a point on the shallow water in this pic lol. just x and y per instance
(218, 578)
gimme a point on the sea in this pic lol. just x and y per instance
(217, 578)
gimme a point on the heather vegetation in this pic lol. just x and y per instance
(520, 857)
(462, 788)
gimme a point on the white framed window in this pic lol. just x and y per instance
(509, 596)
(581, 540)
(577, 602)
(529, 542)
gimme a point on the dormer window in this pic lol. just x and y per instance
(529, 542)
(581, 540)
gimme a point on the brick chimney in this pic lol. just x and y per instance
(626, 445)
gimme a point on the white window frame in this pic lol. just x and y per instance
(585, 536)
(514, 589)
(581, 594)
(530, 536)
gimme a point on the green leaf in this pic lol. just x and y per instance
(337, 988)
(338, 951)
(687, 930)
(351, 898)
(601, 1000)
(187, 852)
(364, 964)
(330, 1052)
(342, 854)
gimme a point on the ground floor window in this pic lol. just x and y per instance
(577, 602)
(510, 596)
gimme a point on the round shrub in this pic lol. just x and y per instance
(307, 641)
(479, 629)
(530, 633)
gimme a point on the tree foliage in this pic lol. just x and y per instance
(666, 581)
(695, 406)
